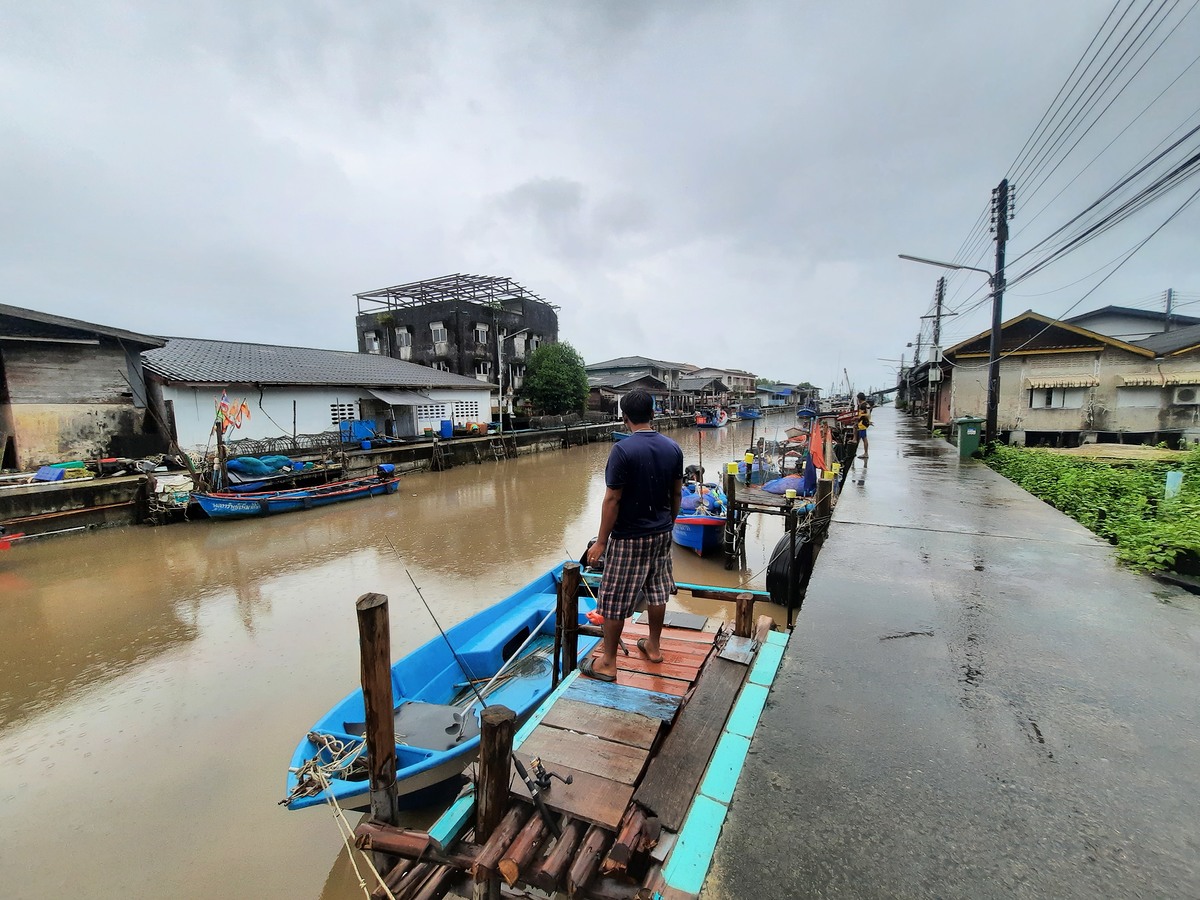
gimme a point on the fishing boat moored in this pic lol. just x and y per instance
(234, 505)
(502, 654)
(700, 525)
(713, 417)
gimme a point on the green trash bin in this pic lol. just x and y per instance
(970, 431)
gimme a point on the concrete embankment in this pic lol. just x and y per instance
(977, 702)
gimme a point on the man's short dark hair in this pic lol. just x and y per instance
(638, 406)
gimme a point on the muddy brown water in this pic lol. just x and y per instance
(154, 681)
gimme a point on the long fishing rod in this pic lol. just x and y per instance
(461, 664)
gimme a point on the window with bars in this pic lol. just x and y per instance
(466, 410)
(342, 412)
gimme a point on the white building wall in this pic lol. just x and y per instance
(271, 415)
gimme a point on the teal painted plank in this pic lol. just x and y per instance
(693, 852)
(624, 697)
(451, 823)
(766, 664)
(744, 718)
(540, 713)
(777, 637)
(725, 767)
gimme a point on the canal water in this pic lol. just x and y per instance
(154, 681)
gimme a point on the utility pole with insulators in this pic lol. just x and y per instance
(1002, 211)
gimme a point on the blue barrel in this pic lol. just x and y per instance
(447, 428)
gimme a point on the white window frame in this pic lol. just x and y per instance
(1057, 398)
(436, 329)
(481, 333)
(483, 369)
(403, 337)
(371, 341)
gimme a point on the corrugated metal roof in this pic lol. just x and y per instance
(193, 360)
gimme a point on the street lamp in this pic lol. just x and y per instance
(501, 337)
(996, 283)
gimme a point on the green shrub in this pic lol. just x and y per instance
(1123, 504)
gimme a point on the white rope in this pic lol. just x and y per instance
(347, 834)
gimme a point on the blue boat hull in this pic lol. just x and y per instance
(700, 533)
(434, 680)
(223, 505)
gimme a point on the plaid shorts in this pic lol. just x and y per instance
(635, 566)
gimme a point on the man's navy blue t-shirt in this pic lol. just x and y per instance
(645, 466)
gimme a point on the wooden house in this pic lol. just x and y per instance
(71, 390)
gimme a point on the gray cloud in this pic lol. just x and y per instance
(719, 183)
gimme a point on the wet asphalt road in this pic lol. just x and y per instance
(977, 702)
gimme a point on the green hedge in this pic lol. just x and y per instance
(1121, 503)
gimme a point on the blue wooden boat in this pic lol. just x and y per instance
(235, 505)
(506, 650)
(620, 435)
(700, 525)
(750, 412)
(712, 418)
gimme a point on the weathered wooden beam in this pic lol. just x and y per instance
(436, 885)
(744, 615)
(627, 840)
(497, 726)
(548, 874)
(392, 879)
(396, 841)
(587, 859)
(522, 850)
(491, 852)
(568, 616)
(375, 651)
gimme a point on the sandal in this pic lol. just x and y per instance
(586, 668)
(641, 645)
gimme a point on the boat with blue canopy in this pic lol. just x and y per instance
(700, 525)
(247, 504)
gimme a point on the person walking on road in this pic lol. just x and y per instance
(864, 421)
(643, 487)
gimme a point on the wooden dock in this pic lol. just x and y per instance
(652, 761)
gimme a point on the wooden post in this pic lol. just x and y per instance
(375, 651)
(793, 569)
(825, 496)
(497, 726)
(730, 542)
(743, 622)
(568, 616)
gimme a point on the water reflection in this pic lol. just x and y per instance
(150, 677)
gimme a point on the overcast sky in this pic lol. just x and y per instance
(721, 183)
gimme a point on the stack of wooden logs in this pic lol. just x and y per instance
(584, 861)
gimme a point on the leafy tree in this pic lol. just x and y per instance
(555, 380)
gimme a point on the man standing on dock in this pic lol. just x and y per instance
(643, 486)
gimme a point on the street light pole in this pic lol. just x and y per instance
(993, 398)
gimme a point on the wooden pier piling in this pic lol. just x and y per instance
(743, 621)
(375, 650)
(497, 726)
(568, 617)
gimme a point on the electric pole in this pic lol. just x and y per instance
(935, 356)
(1170, 303)
(1001, 213)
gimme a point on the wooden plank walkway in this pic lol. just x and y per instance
(651, 757)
